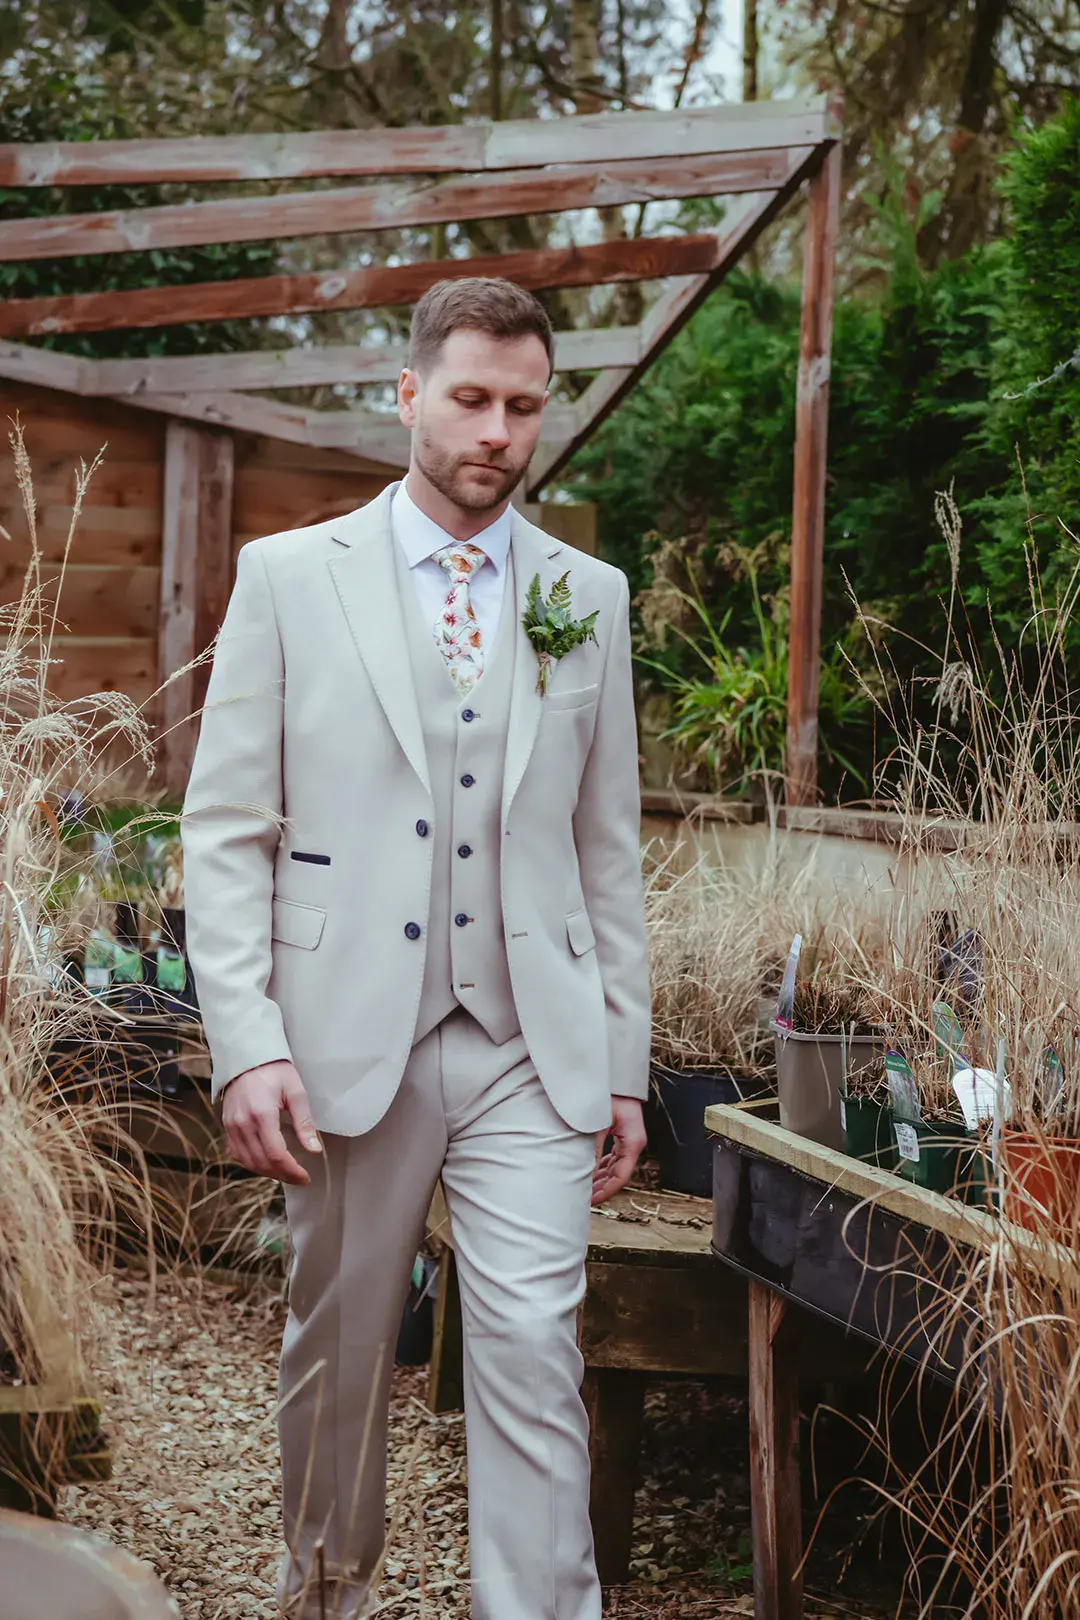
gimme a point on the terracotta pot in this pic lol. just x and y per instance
(54, 1570)
(1042, 1182)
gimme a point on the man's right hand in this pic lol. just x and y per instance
(251, 1114)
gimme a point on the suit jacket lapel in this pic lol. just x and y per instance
(365, 577)
(534, 553)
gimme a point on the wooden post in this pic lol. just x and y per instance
(775, 1498)
(446, 1370)
(196, 574)
(615, 1401)
(808, 515)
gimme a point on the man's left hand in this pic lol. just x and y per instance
(614, 1169)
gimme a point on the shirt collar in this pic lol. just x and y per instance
(419, 536)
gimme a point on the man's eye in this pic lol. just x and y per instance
(524, 407)
(470, 399)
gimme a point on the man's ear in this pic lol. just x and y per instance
(407, 390)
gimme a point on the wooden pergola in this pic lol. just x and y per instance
(761, 154)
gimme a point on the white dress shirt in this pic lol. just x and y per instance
(419, 537)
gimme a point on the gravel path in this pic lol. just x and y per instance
(190, 1412)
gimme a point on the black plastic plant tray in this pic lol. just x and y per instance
(873, 1273)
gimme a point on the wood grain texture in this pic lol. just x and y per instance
(196, 575)
(446, 149)
(316, 367)
(91, 601)
(775, 1491)
(665, 1319)
(379, 286)
(348, 209)
(101, 664)
(808, 495)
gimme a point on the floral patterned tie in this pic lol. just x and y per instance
(457, 632)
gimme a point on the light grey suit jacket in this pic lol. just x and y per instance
(311, 741)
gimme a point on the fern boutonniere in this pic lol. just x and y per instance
(550, 626)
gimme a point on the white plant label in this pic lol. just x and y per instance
(907, 1141)
(843, 1114)
(976, 1092)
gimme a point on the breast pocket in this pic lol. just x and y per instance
(579, 697)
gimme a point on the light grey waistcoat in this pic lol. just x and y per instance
(466, 959)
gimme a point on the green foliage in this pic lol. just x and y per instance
(732, 720)
(941, 375)
(550, 625)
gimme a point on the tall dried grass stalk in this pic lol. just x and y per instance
(993, 1512)
(59, 1182)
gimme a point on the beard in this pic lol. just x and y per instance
(450, 475)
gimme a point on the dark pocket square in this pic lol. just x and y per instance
(316, 860)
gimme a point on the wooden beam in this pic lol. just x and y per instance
(596, 263)
(455, 148)
(584, 350)
(775, 1492)
(808, 497)
(43, 367)
(196, 573)
(667, 317)
(325, 212)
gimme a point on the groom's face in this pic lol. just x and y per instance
(474, 412)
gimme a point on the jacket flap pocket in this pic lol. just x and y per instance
(579, 932)
(576, 698)
(296, 924)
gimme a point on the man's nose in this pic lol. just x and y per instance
(494, 430)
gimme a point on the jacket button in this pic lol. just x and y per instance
(461, 919)
(463, 850)
(468, 714)
(422, 828)
(412, 930)
(467, 780)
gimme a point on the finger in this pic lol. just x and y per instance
(240, 1143)
(275, 1158)
(296, 1101)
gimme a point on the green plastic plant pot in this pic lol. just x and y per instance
(868, 1131)
(929, 1153)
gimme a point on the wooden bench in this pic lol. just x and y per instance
(657, 1305)
(807, 1228)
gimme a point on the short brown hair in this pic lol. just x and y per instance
(479, 304)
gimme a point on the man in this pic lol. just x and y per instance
(415, 918)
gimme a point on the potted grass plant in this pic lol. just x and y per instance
(823, 1042)
(707, 977)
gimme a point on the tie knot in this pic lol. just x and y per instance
(461, 559)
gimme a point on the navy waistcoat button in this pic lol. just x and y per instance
(463, 850)
(412, 930)
(468, 714)
(467, 780)
(461, 919)
(422, 828)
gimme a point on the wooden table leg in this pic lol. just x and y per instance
(775, 1500)
(615, 1401)
(446, 1372)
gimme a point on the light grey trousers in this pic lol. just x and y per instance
(517, 1183)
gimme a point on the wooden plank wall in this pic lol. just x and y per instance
(111, 601)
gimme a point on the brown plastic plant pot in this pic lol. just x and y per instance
(52, 1571)
(808, 1076)
(1042, 1182)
